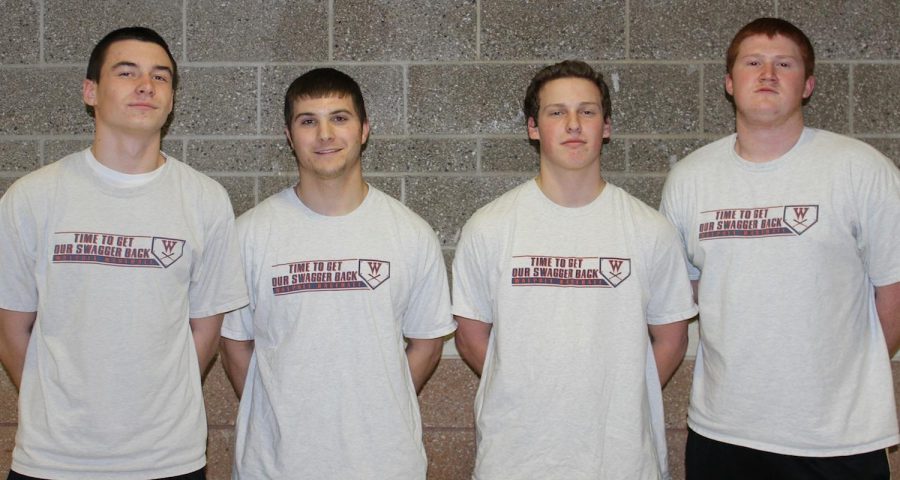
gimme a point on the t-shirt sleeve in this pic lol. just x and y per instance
(671, 297)
(238, 324)
(428, 313)
(471, 284)
(879, 189)
(18, 243)
(217, 284)
(673, 207)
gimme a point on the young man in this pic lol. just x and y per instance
(555, 285)
(339, 273)
(116, 265)
(791, 234)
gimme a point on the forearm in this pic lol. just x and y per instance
(235, 357)
(206, 336)
(472, 338)
(887, 304)
(670, 343)
(423, 356)
(15, 333)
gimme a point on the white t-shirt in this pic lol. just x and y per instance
(328, 394)
(111, 383)
(792, 358)
(565, 391)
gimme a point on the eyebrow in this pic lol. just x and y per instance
(128, 64)
(342, 110)
(581, 104)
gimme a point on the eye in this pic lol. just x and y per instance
(588, 112)
(124, 73)
(555, 113)
(161, 78)
(307, 122)
(340, 118)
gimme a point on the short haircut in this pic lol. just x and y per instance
(143, 34)
(564, 69)
(323, 82)
(770, 27)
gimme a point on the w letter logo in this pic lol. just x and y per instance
(374, 272)
(615, 270)
(800, 217)
(167, 250)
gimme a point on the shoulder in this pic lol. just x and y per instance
(835, 147)
(268, 210)
(700, 159)
(645, 218)
(199, 183)
(495, 215)
(401, 215)
(40, 183)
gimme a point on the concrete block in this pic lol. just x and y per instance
(677, 396)
(241, 190)
(43, 101)
(447, 202)
(219, 453)
(270, 185)
(9, 398)
(241, 156)
(689, 29)
(828, 107)
(19, 156)
(658, 155)
(71, 31)
(650, 98)
(647, 188)
(57, 149)
(21, 32)
(5, 183)
(509, 155)
(675, 442)
(448, 399)
(257, 31)
(842, 30)
(7, 443)
(382, 88)
(451, 453)
(219, 397)
(482, 99)
(404, 30)
(216, 100)
(876, 103)
(392, 186)
(419, 155)
(525, 30)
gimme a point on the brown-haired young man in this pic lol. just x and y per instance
(791, 234)
(555, 286)
(339, 274)
(116, 266)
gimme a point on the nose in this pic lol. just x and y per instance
(768, 71)
(573, 123)
(326, 131)
(145, 85)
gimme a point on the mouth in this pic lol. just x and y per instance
(766, 90)
(142, 106)
(574, 142)
(327, 151)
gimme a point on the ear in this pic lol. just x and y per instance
(89, 92)
(533, 132)
(809, 86)
(607, 128)
(365, 133)
(287, 134)
(729, 84)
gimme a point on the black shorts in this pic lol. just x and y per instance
(708, 459)
(198, 475)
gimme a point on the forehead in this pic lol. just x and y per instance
(569, 90)
(323, 105)
(763, 44)
(137, 52)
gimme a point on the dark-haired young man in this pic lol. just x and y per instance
(791, 233)
(339, 273)
(116, 266)
(555, 285)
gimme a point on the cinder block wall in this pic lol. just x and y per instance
(444, 81)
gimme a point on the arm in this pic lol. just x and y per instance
(205, 331)
(423, 355)
(15, 332)
(887, 304)
(695, 285)
(236, 360)
(472, 341)
(669, 342)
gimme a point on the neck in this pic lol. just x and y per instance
(128, 154)
(331, 197)
(765, 142)
(570, 189)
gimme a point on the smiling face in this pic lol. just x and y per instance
(327, 135)
(768, 81)
(134, 93)
(570, 125)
